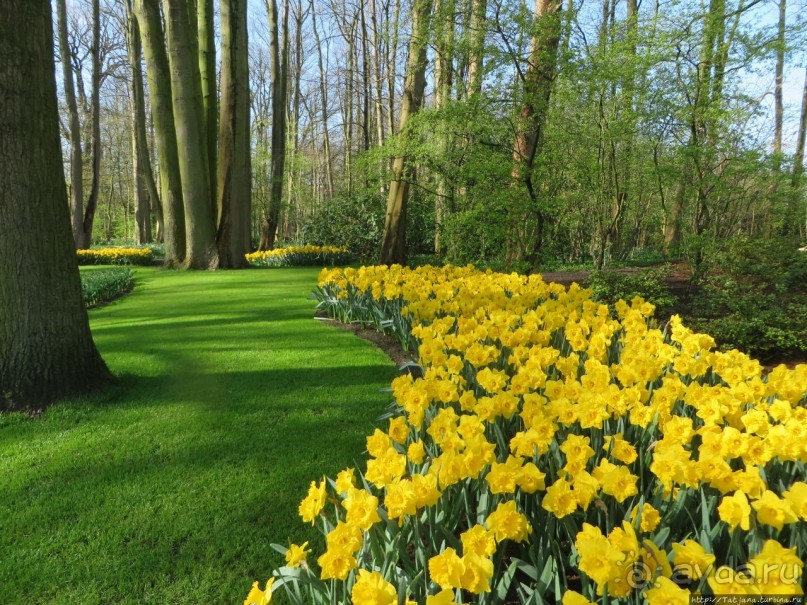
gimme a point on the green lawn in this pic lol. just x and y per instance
(168, 487)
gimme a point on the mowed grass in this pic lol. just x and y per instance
(169, 487)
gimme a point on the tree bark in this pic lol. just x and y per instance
(791, 224)
(74, 127)
(46, 348)
(279, 74)
(477, 38)
(235, 176)
(85, 241)
(207, 72)
(393, 244)
(323, 92)
(529, 140)
(443, 75)
(165, 138)
(145, 189)
(201, 251)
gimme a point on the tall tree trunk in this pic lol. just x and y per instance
(791, 225)
(392, 65)
(477, 47)
(444, 75)
(376, 56)
(74, 126)
(777, 92)
(165, 138)
(47, 349)
(201, 252)
(393, 244)
(538, 79)
(279, 74)
(207, 72)
(323, 93)
(145, 189)
(235, 175)
(85, 241)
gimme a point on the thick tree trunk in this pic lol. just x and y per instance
(85, 241)
(393, 244)
(279, 83)
(207, 72)
(74, 127)
(46, 349)
(201, 252)
(165, 138)
(234, 178)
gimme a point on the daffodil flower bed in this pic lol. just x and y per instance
(555, 450)
(115, 256)
(300, 256)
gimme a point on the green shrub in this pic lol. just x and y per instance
(356, 223)
(754, 298)
(649, 284)
(101, 286)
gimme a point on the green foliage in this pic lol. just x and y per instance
(649, 284)
(98, 287)
(355, 222)
(755, 298)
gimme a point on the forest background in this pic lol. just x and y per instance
(526, 135)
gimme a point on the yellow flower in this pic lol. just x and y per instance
(345, 480)
(599, 559)
(400, 500)
(425, 488)
(735, 511)
(620, 484)
(777, 569)
(313, 503)
(774, 511)
(666, 592)
(296, 554)
(725, 581)
(559, 499)
(507, 523)
(650, 517)
(502, 476)
(446, 569)
(797, 497)
(531, 478)
(691, 559)
(585, 488)
(444, 597)
(570, 597)
(344, 537)
(479, 541)
(416, 452)
(398, 429)
(362, 509)
(336, 564)
(619, 448)
(372, 589)
(257, 596)
(477, 574)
